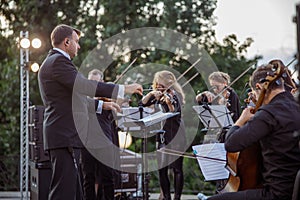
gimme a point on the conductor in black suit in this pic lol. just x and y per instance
(64, 92)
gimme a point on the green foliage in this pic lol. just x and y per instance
(9, 109)
(100, 20)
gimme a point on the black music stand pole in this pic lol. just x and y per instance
(145, 175)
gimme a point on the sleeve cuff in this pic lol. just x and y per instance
(121, 92)
(99, 108)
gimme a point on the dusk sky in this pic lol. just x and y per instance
(268, 22)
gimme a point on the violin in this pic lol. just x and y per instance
(167, 97)
(245, 166)
(225, 97)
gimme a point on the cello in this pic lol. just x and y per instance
(245, 166)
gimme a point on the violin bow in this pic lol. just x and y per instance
(293, 60)
(242, 74)
(235, 80)
(190, 79)
(127, 68)
(188, 155)
(186, 71)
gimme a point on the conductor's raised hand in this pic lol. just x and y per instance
(134, 88)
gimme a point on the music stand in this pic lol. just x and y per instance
(214, 118)
(144, 123)
(130, 115)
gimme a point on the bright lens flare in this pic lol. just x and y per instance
(36, 43)
(35, 67)
(25, 43)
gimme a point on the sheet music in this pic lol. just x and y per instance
(212, 169)
(214, 116)
(132, 114)
(151, 119)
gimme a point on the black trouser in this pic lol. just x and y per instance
(91, 168)
(65, 177)
(256, 194)
(176, 165)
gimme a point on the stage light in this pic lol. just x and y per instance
(25, 66)
(25, 43)
(125, 139)
(35, 67)
(36, 43)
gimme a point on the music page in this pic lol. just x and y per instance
(212, 160)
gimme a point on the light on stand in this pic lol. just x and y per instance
(36, 43)
(25, 66)
(35, 67)
(125, 139)
(25, 43)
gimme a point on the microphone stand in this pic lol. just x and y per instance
(145, 175)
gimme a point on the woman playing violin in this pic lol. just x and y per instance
(273, 125)
(168, 94)
(221, 94)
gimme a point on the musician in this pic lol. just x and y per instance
(64, 92)
(221, 94)
(273, 126)
(289, 84)
(168, 94)
(99, 139)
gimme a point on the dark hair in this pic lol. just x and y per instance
(62, 31)
(260, 75)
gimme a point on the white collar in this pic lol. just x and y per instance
(63, 52)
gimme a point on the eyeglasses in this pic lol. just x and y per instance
(158, 85)
(218, 87)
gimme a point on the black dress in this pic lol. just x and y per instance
(173, 137)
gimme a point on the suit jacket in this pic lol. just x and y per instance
(100, 130)
(64, 92)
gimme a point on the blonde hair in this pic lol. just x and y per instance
(220, 77)
(168, 79)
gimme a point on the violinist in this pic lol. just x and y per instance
(168, 94)
(221, 94)
(99, 142)
(273, 125)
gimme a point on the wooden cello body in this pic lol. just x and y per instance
(245, 170)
